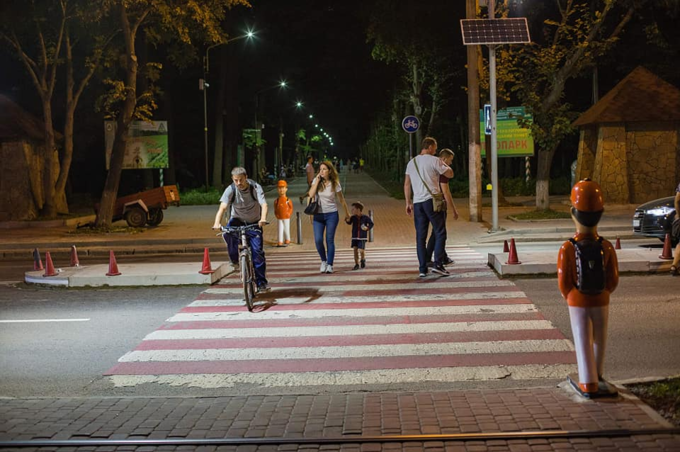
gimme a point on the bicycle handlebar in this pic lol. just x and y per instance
(233, 229)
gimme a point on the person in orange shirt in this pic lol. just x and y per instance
(283, 209)
(587, 273)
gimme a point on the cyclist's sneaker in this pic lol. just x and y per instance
(263, 288)
(235, 266)
(447, 261)
(440, 270)
(363, 263)
(423, 274)
(329, 269)
(356, 267)
(323, 267)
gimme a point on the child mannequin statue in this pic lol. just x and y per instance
(587, 273)
(283, 209)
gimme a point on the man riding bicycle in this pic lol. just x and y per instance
(248, 206)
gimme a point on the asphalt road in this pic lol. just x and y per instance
(97, 326)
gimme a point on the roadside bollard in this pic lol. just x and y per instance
(370, 232)
(298, 220)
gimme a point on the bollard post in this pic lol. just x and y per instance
(299, 228)
(370, 231)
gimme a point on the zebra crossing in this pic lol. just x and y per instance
(378, 326)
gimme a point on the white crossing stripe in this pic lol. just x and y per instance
(349, 330)
(356, 351)
(393, 377)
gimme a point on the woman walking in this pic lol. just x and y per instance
(327, 187)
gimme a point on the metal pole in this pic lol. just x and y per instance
(205, 127)
(299, 227)
(410, 146)
(494, 143)
(370, 231)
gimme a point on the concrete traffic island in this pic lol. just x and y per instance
(545, 262)
(164, 274)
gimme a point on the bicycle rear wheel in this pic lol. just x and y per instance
(247, 278)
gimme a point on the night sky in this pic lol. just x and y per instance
(320, 48)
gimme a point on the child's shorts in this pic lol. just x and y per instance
(360, 244)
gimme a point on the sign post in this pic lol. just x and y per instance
(410, 124)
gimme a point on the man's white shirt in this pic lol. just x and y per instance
(431, 168)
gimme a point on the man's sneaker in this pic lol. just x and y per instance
(440, 270)
(363, 263)
(263, 288)
(448, 261)
(356, 267)
(323, 267)
(329, 269)
(235, 266)
(430, 264)
(423, 275)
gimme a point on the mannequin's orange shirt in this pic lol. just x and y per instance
(566, 274)
(283, 208)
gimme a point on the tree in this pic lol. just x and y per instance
(405, 37)
(47, 28)
(566, 46)
(179, 24)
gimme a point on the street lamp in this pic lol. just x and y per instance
(258, 129)
(203, 85)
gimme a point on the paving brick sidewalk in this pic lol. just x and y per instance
(313, 416)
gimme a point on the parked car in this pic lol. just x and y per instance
(654, 218)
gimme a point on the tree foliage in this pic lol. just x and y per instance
(179, 24)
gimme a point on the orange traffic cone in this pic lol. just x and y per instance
(113, 266)
(207, 269)
(618, 244)
(667, 253)
(512, 259)
(74, 257)
(505, 246)
(37, 262)
(49, 266)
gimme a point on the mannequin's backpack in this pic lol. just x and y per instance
(590, 271)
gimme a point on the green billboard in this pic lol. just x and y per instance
(513, 140)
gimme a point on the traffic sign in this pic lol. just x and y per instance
(487, 119)
(410, 124)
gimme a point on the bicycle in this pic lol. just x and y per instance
(245, 259)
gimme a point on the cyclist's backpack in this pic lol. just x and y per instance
(233, 193)
(590, 272)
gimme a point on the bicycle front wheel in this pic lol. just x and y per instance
(247, 278)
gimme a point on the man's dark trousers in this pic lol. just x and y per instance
(254, 237)
(423, 216)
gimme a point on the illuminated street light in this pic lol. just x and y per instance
(311, 116)
(316, 125)
(298, 104)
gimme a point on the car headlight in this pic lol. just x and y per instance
(661, 211)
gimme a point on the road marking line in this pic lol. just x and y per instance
(350, 330)
(365, 377)
(44, 320)
(355, 351)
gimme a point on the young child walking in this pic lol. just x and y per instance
(283, 209)
(360, 225)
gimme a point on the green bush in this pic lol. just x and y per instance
(200, 197)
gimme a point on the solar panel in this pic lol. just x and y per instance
(495, 31)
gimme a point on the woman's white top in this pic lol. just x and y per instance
(327, 203)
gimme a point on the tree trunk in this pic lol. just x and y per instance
(543, 178)
(108, 200)
(49, 208)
